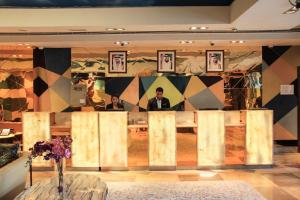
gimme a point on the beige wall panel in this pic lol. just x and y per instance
(85, 146)
(36, 127)
(162, 139)
(211, 136)
(259, 137)
(113, 139)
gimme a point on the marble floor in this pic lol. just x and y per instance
(282, 182)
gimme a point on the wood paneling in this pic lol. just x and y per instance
(259, 137)
(211, 136)
(36, 127)
(113, 139)
(85, 146)
(162, 139)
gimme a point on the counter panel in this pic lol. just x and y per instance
(85, 146)
(36, 127)
(211, 136)
(113, 139)
(259, 137)
(162, 139)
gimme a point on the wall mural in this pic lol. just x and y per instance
(16, 91)
(241, 65)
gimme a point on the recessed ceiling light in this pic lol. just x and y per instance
(20, 44)
(198, 28)
(186, 42)
(14, 55)
(122, 43)
(238, 41)
(115, 29)
(28, 47)
(20, 55)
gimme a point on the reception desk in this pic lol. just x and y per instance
(36, 127)
(102, 139)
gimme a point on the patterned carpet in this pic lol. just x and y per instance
(191, 190)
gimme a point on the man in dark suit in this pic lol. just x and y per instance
(159, 102)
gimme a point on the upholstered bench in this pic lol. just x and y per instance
(76, 186)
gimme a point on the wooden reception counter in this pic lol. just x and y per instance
(101, 139)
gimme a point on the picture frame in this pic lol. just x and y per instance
(117, 62)
(166, 61)
(214, 61)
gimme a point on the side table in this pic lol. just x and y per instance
(76, 186)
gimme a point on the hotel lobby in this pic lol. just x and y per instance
(149, 100)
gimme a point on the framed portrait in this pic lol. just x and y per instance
(166, 61)
(214, 60)
(117, 61)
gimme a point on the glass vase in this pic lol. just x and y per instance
(60, 178)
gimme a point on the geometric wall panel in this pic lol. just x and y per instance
(58, 60)
(205, 100)
(39, 86)
(282, 63)
(49, 65)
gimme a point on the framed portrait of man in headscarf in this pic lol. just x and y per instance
(166, 61)
(214, 61)
(117, 61)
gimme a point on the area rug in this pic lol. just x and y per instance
(189, 190)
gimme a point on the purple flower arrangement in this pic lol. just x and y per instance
(55, 149)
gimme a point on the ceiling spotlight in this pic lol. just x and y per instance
(234, 29)
(203, 27)
(295, 7)
(186, 42)
(14, 56)
(241, 41)
(20, 44)
(20, 55)
(28, 47)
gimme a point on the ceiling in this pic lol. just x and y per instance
(258, 22)
(111, 3)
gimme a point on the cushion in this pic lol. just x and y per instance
(8, 153)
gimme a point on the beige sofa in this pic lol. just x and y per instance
(13, 178)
